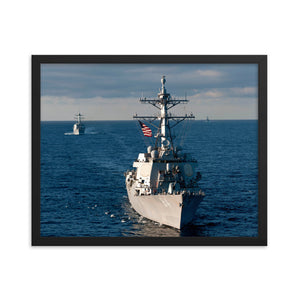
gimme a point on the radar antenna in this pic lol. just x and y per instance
(164, 102)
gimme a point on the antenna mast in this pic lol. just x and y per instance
(164, 102)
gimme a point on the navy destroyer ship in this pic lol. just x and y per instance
(163, 186)
(78, 127)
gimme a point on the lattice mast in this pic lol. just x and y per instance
(79, 117)
(164, 102)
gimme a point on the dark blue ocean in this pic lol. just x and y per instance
(83, 187)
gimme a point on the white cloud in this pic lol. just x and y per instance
(222, 103)
(226, 92)
(213, 93)
(57, 100)
(96, 108)
(245, 91)
(208, 73)
(225, 103)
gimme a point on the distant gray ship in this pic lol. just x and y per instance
(164, 187)
(78, 127)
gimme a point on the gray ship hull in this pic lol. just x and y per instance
(78, 130)
(168, 209)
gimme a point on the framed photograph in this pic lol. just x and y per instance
(149, 150)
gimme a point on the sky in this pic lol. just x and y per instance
(112, 91)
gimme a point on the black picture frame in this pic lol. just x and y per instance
(260, 240)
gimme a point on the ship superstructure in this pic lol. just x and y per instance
(78, 127)
(163, 186)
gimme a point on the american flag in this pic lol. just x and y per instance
(146, 130)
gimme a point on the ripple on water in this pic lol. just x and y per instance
(83, 191)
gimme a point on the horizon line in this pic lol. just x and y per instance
(134, 120)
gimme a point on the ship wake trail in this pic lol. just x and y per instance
(91, 130)
(86, 133)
